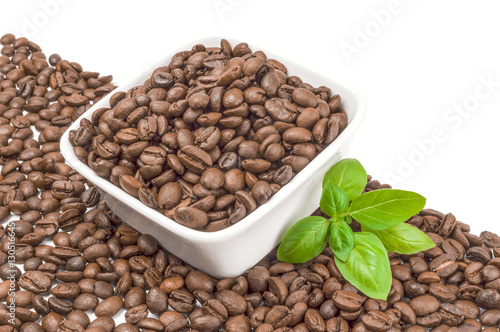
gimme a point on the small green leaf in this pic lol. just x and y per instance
(349, 175)
(334, 200)
(368, 267)
(380, 209)
(341, 239)
(304, 240)
(403, 238)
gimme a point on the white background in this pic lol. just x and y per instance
(413, 60)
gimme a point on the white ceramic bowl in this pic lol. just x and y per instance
(230, 252)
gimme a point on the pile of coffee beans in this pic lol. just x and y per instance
(68, 264)
(210, 136)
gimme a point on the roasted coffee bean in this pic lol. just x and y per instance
(51, 321)
(40, 305)
(79, 317)
(182, 301)
(173, 321)
(442, 292)
(137, 313)
(424, 305)
(135, 296)
(347, 300)
(191, 217)
(62, 307)
(444, 265)
(197, 280)
(478, 254)
(212, 178)
(376, 320)
(450, 314)
(85, 302)
(35, 281)
(104, 322)
(170, 195)
(147, 244)
(279, 316)
(109, 307)
(490, 317)
(156, 300)
(454, 248)
(488, 299)
(65, 290)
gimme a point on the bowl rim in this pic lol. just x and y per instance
(257, 215)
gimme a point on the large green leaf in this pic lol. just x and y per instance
(304, 240)
(380, 209)
(341, 239)
(368, 267)
(349, 175)
(403, 238)
(334, 200)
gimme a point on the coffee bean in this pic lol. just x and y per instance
(191, 217)
(490, 317)
(96, 250)
(347, 300)
(424, 305)
(147, 244)
(444, 265)
(40, 305)
(279, 316)
(105, 322)
(197, 280)
(170, 195)
(376, 321)
(35, 281)
(194, 159)
(234, 303)
(451, 315)
(109, 307)
(304, 97)
(488, 299)
(79, 317)
(135, 296)
(130, 184)
(206, 323)
(212, 178)
(62, 307)
(173, 321)
(65, 290)
(51, 321)
(182, 301)
(85, 302)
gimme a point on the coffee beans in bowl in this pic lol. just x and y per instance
(207, 141)
(211, 136)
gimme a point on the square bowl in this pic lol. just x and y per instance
(231, 251)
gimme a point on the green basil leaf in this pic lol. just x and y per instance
(341, 239)
(403, 238)
(368, 267)
(334, 200)
(380, 209)
(304, 240)
(349, 175)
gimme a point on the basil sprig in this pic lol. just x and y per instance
(360, 256)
